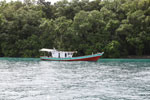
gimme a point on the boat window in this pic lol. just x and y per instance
(58, 55)
(65, 55)
(49, 54)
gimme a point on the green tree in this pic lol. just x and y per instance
(112, 49)
(47, 37)
(117, 27)
(62, 26)
(29, 47)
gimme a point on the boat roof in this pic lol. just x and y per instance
(52, 50)
(47, 50)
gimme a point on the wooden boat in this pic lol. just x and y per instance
(55, 55)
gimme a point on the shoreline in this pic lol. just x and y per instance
(139, 57)
(128, 57)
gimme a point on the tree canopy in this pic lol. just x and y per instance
(119, 28)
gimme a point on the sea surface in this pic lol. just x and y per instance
(107, 79)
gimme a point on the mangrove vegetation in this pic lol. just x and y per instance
(119, 28)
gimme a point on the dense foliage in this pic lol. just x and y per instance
(118, 27)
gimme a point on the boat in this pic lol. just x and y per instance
(55, 55)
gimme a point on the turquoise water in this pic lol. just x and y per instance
(107, 79)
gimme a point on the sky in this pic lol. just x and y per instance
(52, 1)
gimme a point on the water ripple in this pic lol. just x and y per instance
(104, 80)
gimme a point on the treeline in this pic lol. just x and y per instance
(117, 27)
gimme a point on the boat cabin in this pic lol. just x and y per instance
(58, 54)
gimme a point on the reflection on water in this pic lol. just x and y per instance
(32, 79)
